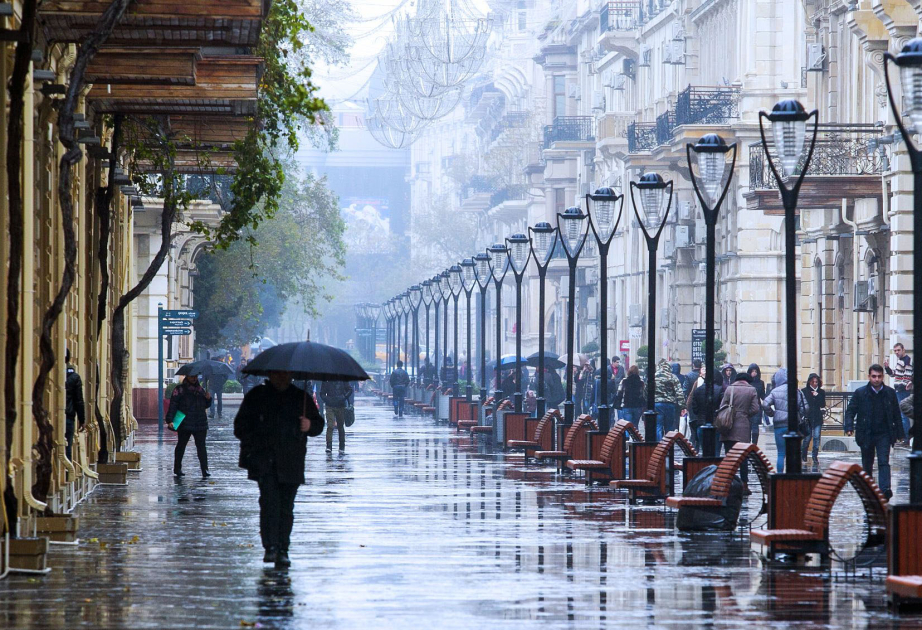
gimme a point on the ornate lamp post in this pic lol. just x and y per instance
(543, 241)
(426, 287)
(360, 326)
(604, 222)
(789, 128)
(374, 312)
(651, 213)
(386, 308)
(517, 247)
(711, 173)
(454, 284)
(482, 270)
(445, 290)
(416, 297)
(468, 280)
(436, 287)
(499, 264)
(405, 308)
(572, 227)
(909, 62)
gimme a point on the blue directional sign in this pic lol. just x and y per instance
(179, 314)
(175, 330)
(175, 322)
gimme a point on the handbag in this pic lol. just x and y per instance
(723, 422)
(350, 416)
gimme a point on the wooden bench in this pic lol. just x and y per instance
(573, 442)
(904, 556)
(654, 483)
(612, 457)
(812, 534)
(542, 436)
(430, 407)
(740, 453)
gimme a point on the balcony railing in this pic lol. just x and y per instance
(641, 137)
(477, 184)
(613, 125)
(665, 123)
(569, 129)
(514, 192)
(840, 150)
(512, 120)
(620, 15)
(707, 105)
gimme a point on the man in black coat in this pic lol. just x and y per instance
(74, 409)
(873, 415)
(189, 398)
(273, 424)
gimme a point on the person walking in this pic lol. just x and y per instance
(668, 398)
(691, 379)
(337, 398)
(192, 401)
(698, 404)
(727, 375)
(873, 417)
(554, 391)
(743, 399)
(246, 381)
(902, 379)
(815, 408)
(776, 406)
(755, 378)
(427, 372)
(399, 381)
(632, 397)
(215, 385)
(74, 408)
(273, 424)
(618, 373)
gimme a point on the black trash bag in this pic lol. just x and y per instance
(698, 519)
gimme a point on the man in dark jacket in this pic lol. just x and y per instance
(815, 396)
(189, 398)
(690, 379)
(873, 415)
(755, 378)
(399, 381)
(74, 409)
(554, 392)
(273, 424)
(215, 385)
(337, 397)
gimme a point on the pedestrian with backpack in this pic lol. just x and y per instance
(399, 381)
(337, 398)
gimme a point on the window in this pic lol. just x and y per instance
(560, 96)
(522, 20)
(560, 200)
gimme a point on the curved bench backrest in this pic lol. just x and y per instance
(545, 422)
(506, 404)
(614, 438)
(657, 462)
(583, 423)
(730, 465)
(827, 490)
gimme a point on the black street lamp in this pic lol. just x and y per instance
(416, 297)
(388, 329)
(426, 287)
(543, 241)
(405, 308)
(789, 128)
(468, 280)
(374, 312)
(499, 264)
(435, 287)
(445, 291)
(604, 222)
(482, 270)
(454, 285)
(651, 214)
(711, 174)
(517, 248)
(910, 63)
(573, 230)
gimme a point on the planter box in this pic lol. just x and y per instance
(27, 553)
(131, 458)
(59, 528)
(113, 473)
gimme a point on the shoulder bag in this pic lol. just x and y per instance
(723, 422)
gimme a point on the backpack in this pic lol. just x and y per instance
(723, 421)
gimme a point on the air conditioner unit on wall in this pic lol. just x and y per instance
(683, 236)
(816, 58)
(664, 317)
(598, 100)
(573, 91)
(645, 53)
(635, 315)
(865, 297)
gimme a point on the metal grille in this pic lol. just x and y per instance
(619, 15)
(569, 129)
(707, 105)
(665, 123)
(641, 137)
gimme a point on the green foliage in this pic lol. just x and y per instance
(232, 387)
(642, 359)
(720, 355)
(169, 391)
(242, 290)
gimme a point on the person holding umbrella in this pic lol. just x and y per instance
(273, 424)
(187, 416)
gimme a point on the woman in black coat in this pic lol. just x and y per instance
(273, 424)
(192, 401)
(815, 396)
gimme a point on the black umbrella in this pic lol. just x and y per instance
(206, 368)
(551, 360)
(308, 361)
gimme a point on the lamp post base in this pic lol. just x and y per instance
(517, 401)
(470, 393)
(915, 477)
(541, 407)
(569, 408)
(604, 418)
(649, 426)
(792, 444)
(708, 441)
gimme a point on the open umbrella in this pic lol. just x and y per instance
(307, 360)
(551, 360)
(206, 368)
(510, 361)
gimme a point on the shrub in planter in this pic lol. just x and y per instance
(233, 387)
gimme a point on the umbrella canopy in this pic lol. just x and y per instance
(510, 361)
(206, 368)
(551, 360)
(309, 361)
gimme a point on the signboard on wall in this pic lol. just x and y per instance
(699, 335)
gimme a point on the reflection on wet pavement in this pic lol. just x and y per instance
(416, 527)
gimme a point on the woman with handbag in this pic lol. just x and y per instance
(187, 415)
(742, 401)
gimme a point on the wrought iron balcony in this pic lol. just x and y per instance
(707, 105)
(477, 184)
(514, 192)
(665, 123)
(620, 15)
(569, 129)
(641, 137)
(841, 149)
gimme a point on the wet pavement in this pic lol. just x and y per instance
(416, 527)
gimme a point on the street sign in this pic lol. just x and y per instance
(179, 314)
(175, 330)
(697, 349)
(175, 322)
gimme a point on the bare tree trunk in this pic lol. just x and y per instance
(119, 353)
(88, 49)
(21, 59)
